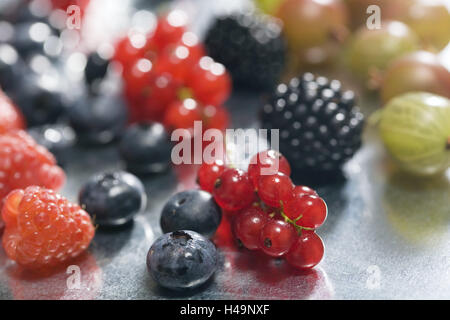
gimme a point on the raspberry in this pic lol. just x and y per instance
(24, 163)
(43, 229)
(10, 117)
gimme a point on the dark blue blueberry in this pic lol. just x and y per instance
(98, 119)
(182, 260)
(113, 199)
(59, 139)
(29, 37)
(40, 103)
(146, 148)
(96, 68)
(11, 68)
(193, 210)
(33, 11)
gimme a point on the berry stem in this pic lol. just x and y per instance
(185, 93)
(293, 222)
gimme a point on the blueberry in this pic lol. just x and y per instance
(113, 199)
(35, 10)
(182, 260)
(30, 37)
(99, 119)
(59, 139)
(96, 68)
(146, 148)
(193, 210)
(11, 67)
(40, 103)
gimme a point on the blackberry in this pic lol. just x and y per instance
(251, 46)
(320, 126)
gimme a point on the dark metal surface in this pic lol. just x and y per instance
(387, 236)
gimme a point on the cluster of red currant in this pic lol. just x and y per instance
(169, 78)
(269, 212)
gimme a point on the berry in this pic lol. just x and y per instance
(11, 118)
(267, 162)
(98, 119)
(432, 25)
(30, 37)
(233, 190)
(308, 211)
(415, 128)
(275, 189)
(314, 29)
(178, 59)
(24, 163)
(11, 68)
(182, 260)
(208, 174)
(96, 68)
(146, 148)
(39, 103)
(371, 51)
(59, 139)
(193, 210)
(170, 29)
(129, 49)
(300, 191)
(183, 114)
(418, 71)
(209, 82)
(320, 126)
(43, 229)
(113, 198)
(248, 225)
(277, 237)
(306, 252)
(250, 46)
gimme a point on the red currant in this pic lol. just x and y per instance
(311, 209)
(306, 252)
(182, 114)
(274, 189)
(277, 237)
(248, 225)
(209, 81)
(178, 60)
(215, 117)
(268, 160)
(208, 174)
(162, 91)
(300, 191)
(130, 48)
(137, 77)
(170, 29)
(233, 190)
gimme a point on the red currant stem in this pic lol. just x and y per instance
(184, 93)
(288, 220)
